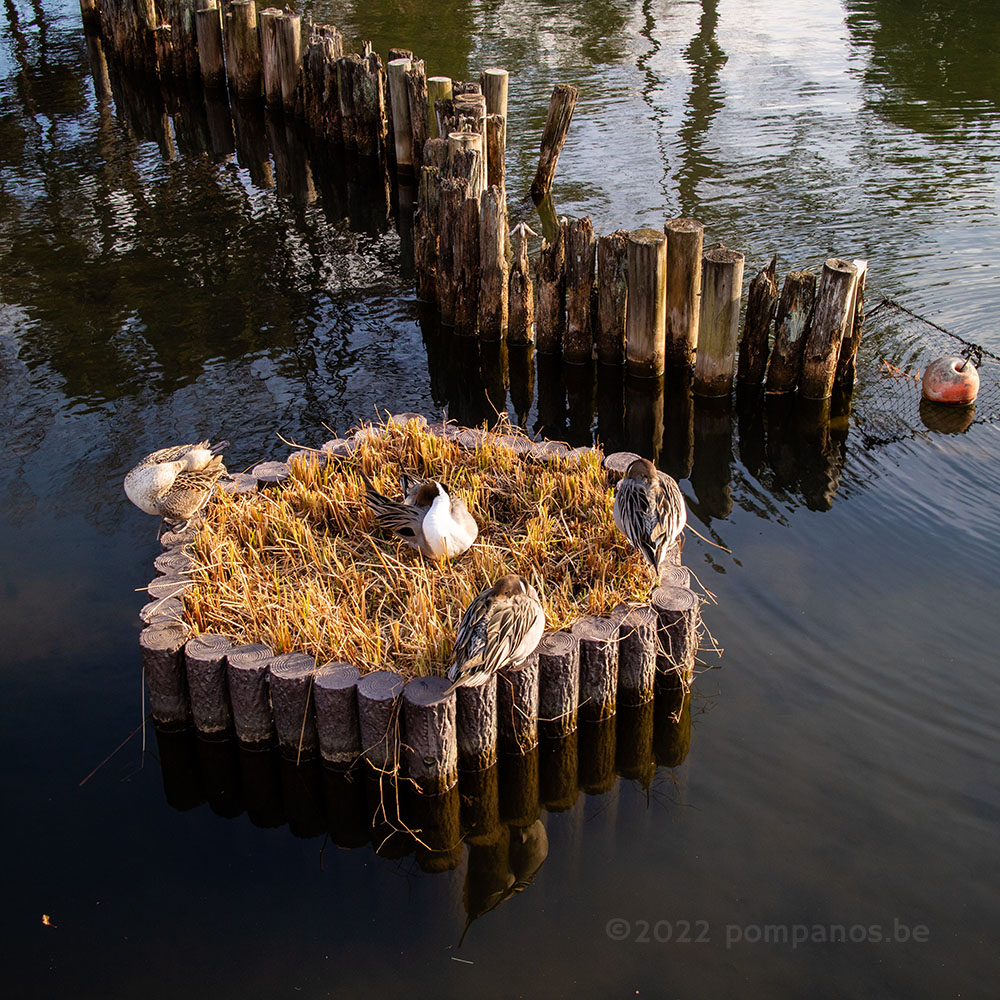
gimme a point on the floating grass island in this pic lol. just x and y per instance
(303, 566)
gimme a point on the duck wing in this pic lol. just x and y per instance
(188, 494)
(172, 454)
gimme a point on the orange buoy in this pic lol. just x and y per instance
(951, 380)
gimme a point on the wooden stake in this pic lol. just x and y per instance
(438, 89)
(721, 288)
(205, 668)
(846, 364)
(249, 693)
(550, 311)
(466, 262)
(832, 316)
(612, 296)
(761, 302)
(269, 61)
(431, 754)
(517, 707)
(452, 193)
(400, 104)
(209, 28)
(290, 680)
(378, 716)
(244, 47)
(416, 97)
(493, 264)
(645, 320)
(678, 616)
(578, 347)
(494, 82)
(560, 114)
(558, 683)
(683, 305)
(794, 310)
(289, 32)
(184, 39)
(598, 666)
(161, 645)
(637, 645)
(521, 293)
(335, 696)
(425, 233)
(496, 151)
(466, 152)
(477, 726)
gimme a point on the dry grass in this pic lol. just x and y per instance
(305, 567)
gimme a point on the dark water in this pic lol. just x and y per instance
(157, 283)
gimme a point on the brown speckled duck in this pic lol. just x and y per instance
(176, 482)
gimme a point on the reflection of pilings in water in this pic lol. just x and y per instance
(580, 403)
(521, 366)
(493, 370)
(141, 106)
(302, 791)
(261, 781)
(671, 723)
(820, 466)
(750, 428)
(434, 820)
(480, 803)
(551, 422)
(465, 391)
(677, 455)
(488, 878)
(387, 834)
(652, 80)
(293, 176)
(346, 816)
(634, 743)
(179, 770)
(190, 118)
(251, 142)
(611, 408)
(518, 780)
(597, 755)
(644, 415)
(713, 455)
(220, 124)
(558, 786)
(406, 197)
(99, 69)
(706, 58)
(220, 774)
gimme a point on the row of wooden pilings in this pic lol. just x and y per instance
(410, 729)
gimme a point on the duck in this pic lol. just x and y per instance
(428, 519)
(500, 628)
(176, 482)
(649, 510)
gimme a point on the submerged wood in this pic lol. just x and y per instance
(249, 692)
(431, 751)
(560, 114)
(683, 302)
(335, 697)
(550, 309)
(493, 264)
(721, 288)
(520, 290)
(851, 341)
(477, 725)
(205, 668)
(645, 320)
(762, 299)
(794, 309)
(612, 297)
(578, 342)
(558, 683)
(832, 316)
(160, 646)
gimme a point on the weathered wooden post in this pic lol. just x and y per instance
(425, 233)
(477, 726)
(612, 296)
(249, 692)
(794, 310)
(289, 31)
(520, 289)
(400, 105)
(684, 246)
(452, 192)
(438, 89)
(517, 707)
(270, 62)
(160, 645)
(209, 29)
(558, 683)
(335, 699)
(721, 289)
(466, 154)
(598, 666)
(244, 48)
(466, 261)
(645, 319)
(550, 309)
(431, 755)
(205, 667)
(846, 365)
(416, 98)
(378, 716)
(761, 302)
(578, 346)
(184, 39)
(494, 83)
(496, 151)
(557, 121)
(677, 609)
(290, 681)
(493, 305)
(832, 316)
(637, 645)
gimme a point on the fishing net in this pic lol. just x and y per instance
(895, 350)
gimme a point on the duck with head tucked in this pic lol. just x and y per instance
(176, 482)
(428, 519)
(649, 510)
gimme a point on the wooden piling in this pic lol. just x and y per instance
(517, 707)
(378, 716)
(431, 754)
(477, 725)
(494, 83)
(244, 48)
(452, 194)
(721, 289)
(438, 89)
(416, 98)
(496, 151)
(794, 310)
(290, 682)
(289, 32)
(208, 25)
(335, 701)
(677, 610)
(558, 683)
(832, 316)
(466, 152)
(683, 303)
(425, 233)
(645, 319)
(184, 39)
(560, 114)
(846, 364)
(762, 299)
(493, 308)
(400, 105)
(520, 290)
(612, 297)
(550, 309)
(598, 666)
(249, 692)
(160, 646)
(637, 645)
(205, 669)
(466, 262)
(578, 341)
(267, 21)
